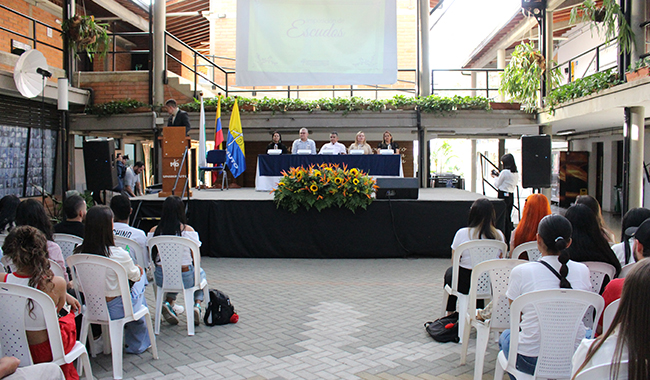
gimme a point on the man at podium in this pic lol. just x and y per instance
(177, 117)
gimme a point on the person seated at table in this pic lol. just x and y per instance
(360, 144)
(388, 143)
(303, 143)
(276, 143)
(334, 145)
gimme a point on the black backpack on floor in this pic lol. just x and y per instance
(444, 329)
(219, 311)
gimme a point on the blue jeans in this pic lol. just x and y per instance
(525, 364)
(188, 282)
(136, 335)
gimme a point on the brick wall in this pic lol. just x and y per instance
(22, 25)
(122, 62)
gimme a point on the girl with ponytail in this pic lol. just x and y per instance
(26, 246)
(554, 271)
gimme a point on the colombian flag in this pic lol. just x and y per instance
(235, 146)
(218, 135)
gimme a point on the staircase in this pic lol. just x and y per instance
(186, 86)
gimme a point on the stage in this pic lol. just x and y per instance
(246, 223)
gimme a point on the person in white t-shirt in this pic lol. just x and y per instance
(624, 250)
(506, 184)
(480, 225)
(121, 207)
(553, 237)
(628, 335)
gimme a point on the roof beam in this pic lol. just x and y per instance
(123, 13)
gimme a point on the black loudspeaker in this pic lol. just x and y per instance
(99, 160)
(397, 188)
(536, 161)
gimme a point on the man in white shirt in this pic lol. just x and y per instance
(303, 143)
(121, 207)
(334, 145)
(131, 180)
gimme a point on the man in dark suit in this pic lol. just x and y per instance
(177, 118)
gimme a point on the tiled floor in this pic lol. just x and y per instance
(312, 319)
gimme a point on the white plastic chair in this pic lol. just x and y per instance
(560, 312)
(56, 269)
(67, 243)
(169, 248)
(499, 272)
(13, 340)
(479, 251)
(530, 248)
(89, 276)
(136, 251)
(609, 313)
(597, 273)
(603, 372)
(625, 270)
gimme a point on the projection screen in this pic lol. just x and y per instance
(316, 42)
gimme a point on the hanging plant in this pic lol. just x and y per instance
(521, 79)
(85, 35)
(607, 19)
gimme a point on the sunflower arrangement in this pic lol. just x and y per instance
(322, 186)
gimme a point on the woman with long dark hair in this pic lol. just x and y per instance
(589, 244)
(173, 222)
(98, 240)
(8, 206)
(276, 143)
(535, 208)
(506, 184)
(628, 336)
(480, 225)
(594, 205)
(26, 246)
(632, 218)
(32, 213)
(553, 238)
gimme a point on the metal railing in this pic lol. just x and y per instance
(594, 62)
(468, 72)
(35, 41)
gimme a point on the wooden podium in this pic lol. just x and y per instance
(174, 142)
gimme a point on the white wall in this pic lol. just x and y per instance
(578, 41)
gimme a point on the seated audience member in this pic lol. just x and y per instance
(553, 237)
(74, 209)
(360, 144)
(641, 250)
(31, 213)
(43, 371)
(121, 207)
(628, 336)
(589, 244)
(303, 143)
(334, 145)
(8, 206)
(624, 249)
(388, 143)
(480, 225)
(593, 204)
(99, 241)
(173, 222)
(276, 143)
(535, 208)
(26, 246)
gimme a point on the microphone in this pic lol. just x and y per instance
(44, 72)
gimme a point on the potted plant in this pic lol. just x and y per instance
(606, 18)
(639, 69)
(402, 102)
(522, 77)
(85, 35)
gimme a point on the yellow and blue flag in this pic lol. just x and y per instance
(235, 145)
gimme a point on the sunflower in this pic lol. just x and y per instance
(313, 188)
(354, 171)
(317, 173)
(355, 181)
(338, 180)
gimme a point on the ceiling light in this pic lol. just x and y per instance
(565, 132)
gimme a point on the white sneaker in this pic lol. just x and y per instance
(178, 309)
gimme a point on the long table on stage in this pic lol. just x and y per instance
(270, 167)
(247, 223)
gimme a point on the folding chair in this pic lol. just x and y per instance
(217, 158)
